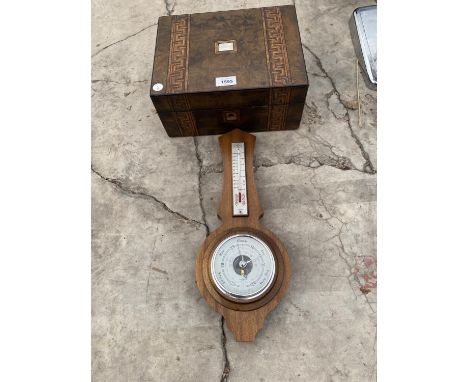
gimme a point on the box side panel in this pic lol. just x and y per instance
(287, 95)
(209, 122)
(231, 99)
(161, 56)
(294, 46)
(281, 101)
(204, 101)
(161, 103)
(220, 121)
(170, 124)
(235, 99)
(294, 116)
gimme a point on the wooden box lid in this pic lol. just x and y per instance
(258, 49)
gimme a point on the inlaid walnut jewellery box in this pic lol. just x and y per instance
(233, 73)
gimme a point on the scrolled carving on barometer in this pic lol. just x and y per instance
(242, 268)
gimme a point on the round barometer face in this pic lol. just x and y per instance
(243, 267)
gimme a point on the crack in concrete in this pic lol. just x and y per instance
(200, 196)
(352, 275)
(226, 366)
(314, 109)
(302, 312)
(315, 117)
(123, 39)
(290, 160)
(314, 162)
(329, 95)
(147, 287)
(169, 11)
(368, 166)
(337, 161)
(316, 74)
(212, 169)
(117, 82)
(342, 250)
(159, 270)
(374, 366)
(127, 190)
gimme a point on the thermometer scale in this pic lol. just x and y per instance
(239, 184)
(242, 268)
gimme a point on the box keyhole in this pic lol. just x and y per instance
(230, 116)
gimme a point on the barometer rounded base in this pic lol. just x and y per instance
(244, 318)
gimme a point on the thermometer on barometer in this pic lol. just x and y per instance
(239, 184)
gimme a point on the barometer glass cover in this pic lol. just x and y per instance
(243, 267)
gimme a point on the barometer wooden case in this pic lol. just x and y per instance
(242, 268)
(217, 71)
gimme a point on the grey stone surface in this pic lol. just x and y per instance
(154, 199)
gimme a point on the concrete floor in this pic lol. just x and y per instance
(153, 196)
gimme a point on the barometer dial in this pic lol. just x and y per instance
(243, 267)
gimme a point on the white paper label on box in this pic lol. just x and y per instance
(225, 46)
(226, 81)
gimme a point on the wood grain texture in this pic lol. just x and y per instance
(243, 319)
(268, 63)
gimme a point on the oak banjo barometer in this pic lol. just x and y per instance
(242, 268)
